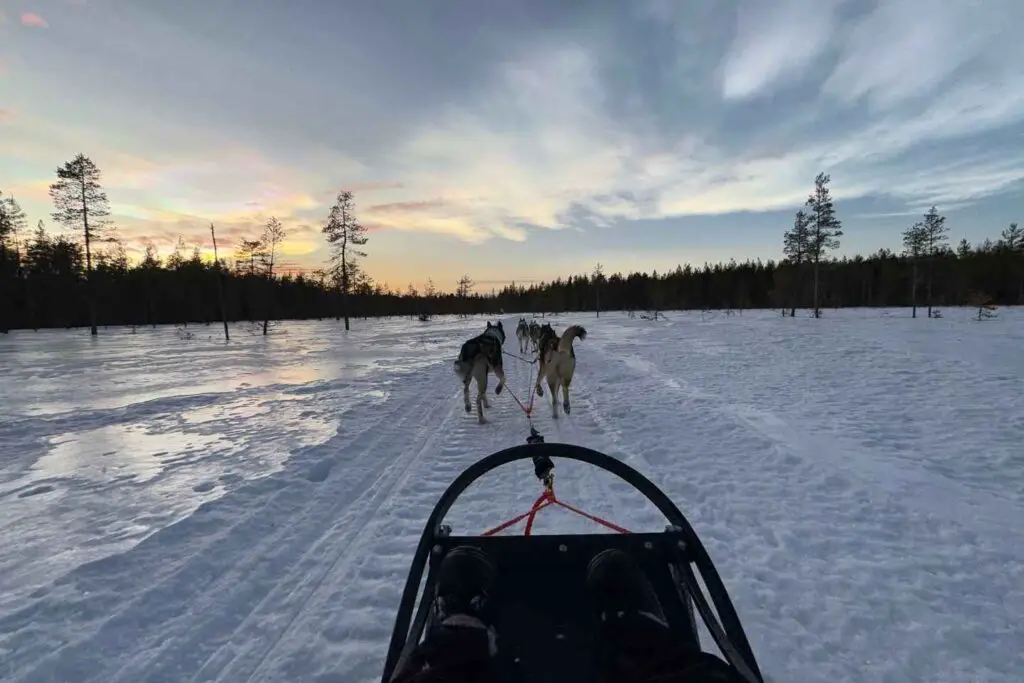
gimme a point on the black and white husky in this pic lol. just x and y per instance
(480, 355)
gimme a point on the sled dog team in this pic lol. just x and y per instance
(483, 354)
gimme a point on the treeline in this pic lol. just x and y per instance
(56, 280)
(45, 286)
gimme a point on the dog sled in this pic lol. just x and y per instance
(541, 607)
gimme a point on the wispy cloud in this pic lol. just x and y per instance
(775, 42)
(540, 151)
(33, 20)
(405, 207)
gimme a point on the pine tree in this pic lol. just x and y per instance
(345, 235)
(1013, 242)
(80, 202)
(465, 286)
(12, 222)
(795, 245)
(914, 245)
(247, 253)
(273, 234)
(825, 229)
(934, 235)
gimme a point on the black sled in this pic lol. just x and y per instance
(544, 621)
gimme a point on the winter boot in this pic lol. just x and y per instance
(464, 582)
(461, 644)
(620, 589)
(634, 642)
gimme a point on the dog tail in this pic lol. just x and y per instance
(462, 369)
(571, 332)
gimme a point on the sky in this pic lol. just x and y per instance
(519, 140)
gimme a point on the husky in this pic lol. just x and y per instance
(535, 334)
(523, 334)
(546, 340)
(558, 363)
(478, 356)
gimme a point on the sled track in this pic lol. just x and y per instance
(345, 538)
(209, 613)
(341, 634)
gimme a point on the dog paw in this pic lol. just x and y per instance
(566, 406)
(497, 389)
(540, 392)
(469, 409)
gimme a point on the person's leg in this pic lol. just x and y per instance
(461, 647)
(635, 644)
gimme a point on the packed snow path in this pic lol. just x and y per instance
(181, 510)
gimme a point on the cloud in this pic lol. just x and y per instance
(542, 148)
(33, 20)
(550, 121)
(405, 207)
(775, 41)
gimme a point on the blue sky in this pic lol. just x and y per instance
(522, 139)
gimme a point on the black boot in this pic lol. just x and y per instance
(461, 644)
(634, 642)
(464, 582)
(621, 590)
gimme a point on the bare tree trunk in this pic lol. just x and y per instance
(928, 293)
(913, 290)
(817, 310)
(90, 289)
(220, 286)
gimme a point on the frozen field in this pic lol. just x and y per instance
(184, 510)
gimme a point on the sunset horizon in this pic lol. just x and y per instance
(516, 143)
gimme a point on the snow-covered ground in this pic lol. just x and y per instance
(184, 510)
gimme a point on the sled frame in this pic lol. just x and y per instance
(544, 619)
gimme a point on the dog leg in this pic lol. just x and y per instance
(499, 372)
(465, 393)
(481, 391)
(565, 395)
(553, 386)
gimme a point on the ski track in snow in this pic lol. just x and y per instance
(857, 480)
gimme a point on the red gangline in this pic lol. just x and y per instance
(546, 499)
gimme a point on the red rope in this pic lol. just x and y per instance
(548, 498)
(541, 502)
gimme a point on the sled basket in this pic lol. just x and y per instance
(544, 618)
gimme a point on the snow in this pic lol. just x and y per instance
(188, 510)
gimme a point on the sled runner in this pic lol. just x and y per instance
(545, 624)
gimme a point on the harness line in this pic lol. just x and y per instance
(544, 469)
